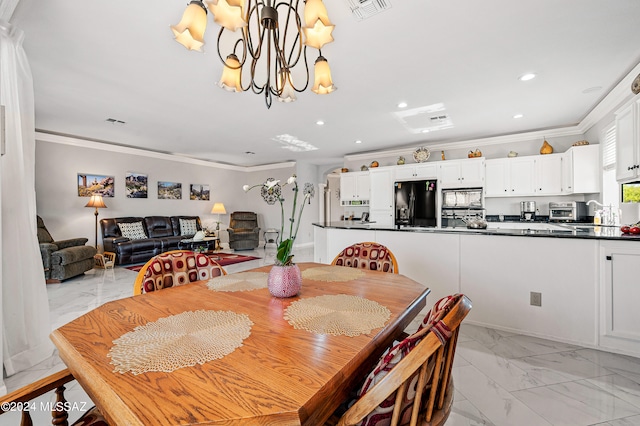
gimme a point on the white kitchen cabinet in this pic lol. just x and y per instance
(619, 316)
(461, 173)
(581, 170)
(628, 143)
(381, 196)
(354, 188)
(507, 177)
(416, 171)
(548, 174)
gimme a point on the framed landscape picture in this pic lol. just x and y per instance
(199, 192)
(169, 191)
(89, 185)
(136, 185)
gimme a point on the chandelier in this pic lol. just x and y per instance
(265, 40)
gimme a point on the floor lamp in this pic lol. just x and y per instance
(97, 202)
(218, 208)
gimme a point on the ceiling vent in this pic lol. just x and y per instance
(425, 119)
(363, 9)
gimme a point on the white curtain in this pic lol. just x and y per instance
(25, 307)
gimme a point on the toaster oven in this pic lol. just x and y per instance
(569, 211)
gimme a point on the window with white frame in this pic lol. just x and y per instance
(610, 187)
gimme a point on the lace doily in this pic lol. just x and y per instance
(332, 273)
(242, 281)
(337, 314)
(183, 340)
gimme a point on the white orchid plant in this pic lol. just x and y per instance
(271, 191)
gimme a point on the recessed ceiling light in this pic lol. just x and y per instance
(320, 123)
(358, 141)
(402, 105)
(527, 77)
(518, 116)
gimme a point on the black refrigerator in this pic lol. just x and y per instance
(415, 203)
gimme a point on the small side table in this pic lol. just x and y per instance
(271, 240)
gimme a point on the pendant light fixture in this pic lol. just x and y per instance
(262, 44)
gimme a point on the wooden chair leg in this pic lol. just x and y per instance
(59, 413)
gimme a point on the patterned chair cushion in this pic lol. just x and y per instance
(132, 230)
(431, 323)
(174, 269)
(93, 417)
(373, 256)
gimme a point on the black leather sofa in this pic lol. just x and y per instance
(163, 234)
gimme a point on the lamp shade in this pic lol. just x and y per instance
(190, 31)
(318, 27)
(97, 202)
(323, 83)
(288, 93)
(230, 79)
(218, 208)
(228, 13)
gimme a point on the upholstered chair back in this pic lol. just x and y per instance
(175, 268)
(43, 234)
(367, 255)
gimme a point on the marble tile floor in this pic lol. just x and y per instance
(501, 378)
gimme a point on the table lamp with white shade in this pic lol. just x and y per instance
(218, 208)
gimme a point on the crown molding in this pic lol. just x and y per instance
(121, 149)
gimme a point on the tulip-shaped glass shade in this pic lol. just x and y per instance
(314, 10)
(318, 27)
(231, 75)
(228, 13)
(284, 81)
(322, 82)
(190, 31)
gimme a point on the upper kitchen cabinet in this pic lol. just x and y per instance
(628, 142)
(505, 177)
(416, 172)
(548, 174)
(461, 173)
(354, 188)
(581, 170)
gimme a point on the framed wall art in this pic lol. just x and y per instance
(199, 192)
(169, 191)
(136, 185)
(89, 185)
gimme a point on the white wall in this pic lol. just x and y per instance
(59, 160)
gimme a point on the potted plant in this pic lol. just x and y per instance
(285, 278)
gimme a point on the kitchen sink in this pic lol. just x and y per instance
(534, 226)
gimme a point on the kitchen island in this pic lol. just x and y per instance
(584, 278)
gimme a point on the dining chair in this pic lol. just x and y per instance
(59, 414)
(367, 255)
(174, 268)
(412, 382)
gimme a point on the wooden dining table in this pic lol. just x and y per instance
(280, 375)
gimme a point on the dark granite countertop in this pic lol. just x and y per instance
(567, 230)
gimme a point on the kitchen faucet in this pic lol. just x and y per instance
(609, 217)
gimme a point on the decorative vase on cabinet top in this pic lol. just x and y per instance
(546, 148)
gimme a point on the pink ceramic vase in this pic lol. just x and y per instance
(284, 281)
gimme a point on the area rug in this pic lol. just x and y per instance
(223, 259)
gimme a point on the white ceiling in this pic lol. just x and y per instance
(101, 59)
